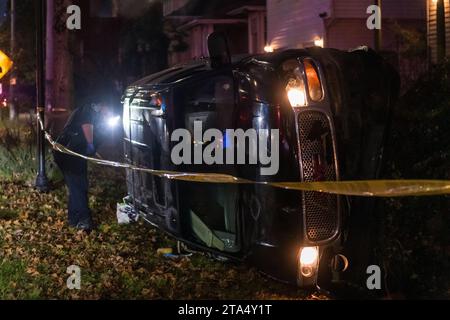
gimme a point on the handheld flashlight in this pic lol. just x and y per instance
(113, 121)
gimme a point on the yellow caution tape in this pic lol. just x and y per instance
(374, 188)
(368, 188)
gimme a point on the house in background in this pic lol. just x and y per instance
(342, 24)
(112, 46)
(97, 47)
(244, 22)
(438, 18)
(338, 24)
(254, 25)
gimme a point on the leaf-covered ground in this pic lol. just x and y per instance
(117, 262)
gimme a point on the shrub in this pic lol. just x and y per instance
(415, 242)
(18, 153)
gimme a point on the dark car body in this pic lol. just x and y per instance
(340, 135)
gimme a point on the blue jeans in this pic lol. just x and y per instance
(76, 178)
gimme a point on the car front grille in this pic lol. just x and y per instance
(317, 155)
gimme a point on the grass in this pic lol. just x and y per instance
(15, 282)
(18, 153)
(8, 214)
(120, 262)
(117, 262)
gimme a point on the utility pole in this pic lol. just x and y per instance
(41, 180)
(49, 56)
(440, 30)
(378, 34)
(12, 76)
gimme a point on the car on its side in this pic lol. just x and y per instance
(332, 110)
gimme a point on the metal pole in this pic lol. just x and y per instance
(378, 33)
(49, 56)
(41, 180)
(12, 76)
(440, 30)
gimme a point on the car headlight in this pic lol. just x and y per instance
(303, 82)
(296, 93)
(309, 260)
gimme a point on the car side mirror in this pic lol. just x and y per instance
(219, 51)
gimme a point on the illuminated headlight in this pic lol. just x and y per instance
(309, 260)
(304, 86)
(296, 93)
(113, 121)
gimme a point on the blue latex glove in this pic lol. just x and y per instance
(90, 150)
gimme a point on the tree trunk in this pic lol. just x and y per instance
(63, 82)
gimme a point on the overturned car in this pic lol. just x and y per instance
(332, 112)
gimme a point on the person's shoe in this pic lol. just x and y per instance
(86, 227)
(72, 225)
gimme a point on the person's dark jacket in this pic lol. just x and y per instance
(73, 137)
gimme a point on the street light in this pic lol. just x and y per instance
(318, 42)
(268, 48)
(41, 179)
